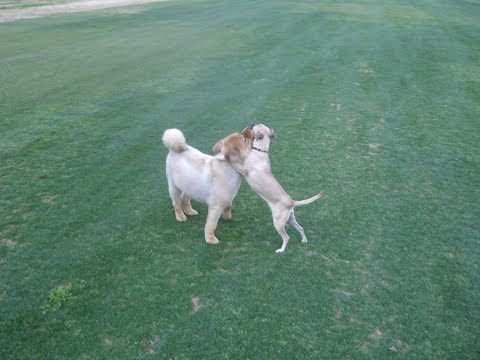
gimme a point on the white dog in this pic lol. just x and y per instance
(255, 167)
(208, 179)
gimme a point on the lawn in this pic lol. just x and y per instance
(375, 102)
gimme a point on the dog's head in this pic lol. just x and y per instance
(235, 147)
(261, 136)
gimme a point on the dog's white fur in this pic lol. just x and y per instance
(255, 167)
(207, 179)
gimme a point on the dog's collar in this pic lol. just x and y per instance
(255, 148)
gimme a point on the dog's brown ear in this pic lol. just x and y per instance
(272, 134)
(227, 146)
(247, 134)
(217, 148)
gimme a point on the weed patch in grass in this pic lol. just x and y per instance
(57, 297)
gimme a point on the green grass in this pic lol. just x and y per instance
(377, 103)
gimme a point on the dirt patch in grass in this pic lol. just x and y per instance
(376, 335)
(197, 305)
(49, 199)
(71, 7)
(148, 346)
(8, 243)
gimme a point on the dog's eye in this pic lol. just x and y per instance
(259, 136)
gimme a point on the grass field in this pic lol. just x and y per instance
(375, 102)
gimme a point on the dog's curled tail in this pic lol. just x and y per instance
(307, 201)
(174, 140)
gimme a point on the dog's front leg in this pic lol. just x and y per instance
(214, 212)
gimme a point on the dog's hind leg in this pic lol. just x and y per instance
(279, 221)
(175, 195)
(292, 221)
(186, 206)
(227, 213)
(214, 213)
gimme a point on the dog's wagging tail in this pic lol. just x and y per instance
(307, 201)
(174, 140)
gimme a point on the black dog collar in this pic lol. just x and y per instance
(255, 148)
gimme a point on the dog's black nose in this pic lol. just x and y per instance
(251, 126)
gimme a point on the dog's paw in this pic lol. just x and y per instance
(212, 241)
(280, 251)
(191, 212)
(304, 241)
(181, 217)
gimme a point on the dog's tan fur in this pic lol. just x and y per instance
(208, 179)
(255, 167)
(235, 147)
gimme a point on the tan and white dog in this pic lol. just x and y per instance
(255, 167)
(207, 179)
